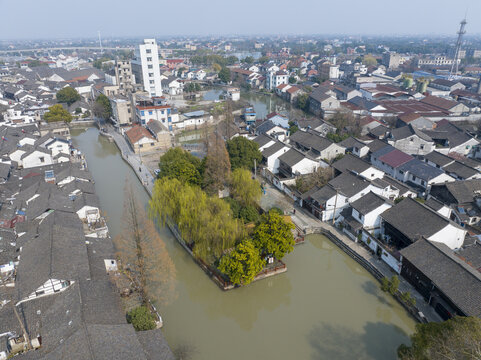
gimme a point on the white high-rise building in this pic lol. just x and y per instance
(146, 67)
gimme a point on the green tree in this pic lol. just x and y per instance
(243, 188)
(248, 60)
(141, 318)
(274, 235)
(457, 338)
(68, 95)
(249, 214)
(182, 165)
(263, 59)
(242, 264)
(216, 67)
(394, 285)
(224, 75)
(292, 80)
(318, 178)
(243, 152)
(369, 60)
(57, 113)
(102, 107)
(302, 101)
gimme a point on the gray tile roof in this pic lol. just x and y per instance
(457, 280)
(310, 140)
(271, 150)
(351, 163)
(405, 217)
(464, 191)
(439, 159)
(368, 203)
(351, 142)
(421, 169)
(349, 184)
(407, 131)
(292, 157)
(262, 139)
(460, 170)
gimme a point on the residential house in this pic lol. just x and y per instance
(276, 78)
(264, 141)
(410, 140)
(447, 283)
(318, 125)
(463, 197)
(172, 86)
(161, 134)
(450, 106)
(366, 211)
(449, 138)
(316, 145)
(410, 221)
(353, 164)
(322, 104)
(355, 147)
(141, 140)
(271, 156)
(293, 163)
(415, 120)
(269, 128)
(278, 119)
(388, 159)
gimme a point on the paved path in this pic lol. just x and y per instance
(306, 221)
(134, 160)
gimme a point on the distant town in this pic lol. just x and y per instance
(249, 148)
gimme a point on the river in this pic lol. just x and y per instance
(325, 306)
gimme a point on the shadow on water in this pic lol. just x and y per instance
(376, 341)
(374, 290)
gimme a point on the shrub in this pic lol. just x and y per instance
(275, 209)
(249, 214)
(385, 284)
(141, 318)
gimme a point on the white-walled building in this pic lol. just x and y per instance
(146, 64)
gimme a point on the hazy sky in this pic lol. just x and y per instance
(82, 18)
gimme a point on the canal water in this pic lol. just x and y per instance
(265, 104)
(325, 306)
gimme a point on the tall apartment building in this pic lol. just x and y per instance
(146, 67)
(124, 77)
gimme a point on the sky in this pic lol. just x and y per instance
(43, 19)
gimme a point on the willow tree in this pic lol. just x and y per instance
(143, 255)
(204, 222)
(243, 188)
(217, 165)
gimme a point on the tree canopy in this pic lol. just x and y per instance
(102, 107)
(274, 236)
(242, 264)
(57, 113)
(217, 165)
(224, 75)
(369, 60)
(243, 152)
(205, 222)
(243, 188)
(318, 178)
(181, 165)
(141, 318)
(457, 338)
(68, 95)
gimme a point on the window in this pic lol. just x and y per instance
(169, 119)
(421, 147)
(151, 81)
(151, 144)
(150, 67)
(141, 145)
(149, 59)
(42, 159)
(142, 113)
(148, 51)
(151, 74)
(423, 182)
(150, 112)
(411, 139)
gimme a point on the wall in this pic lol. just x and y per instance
(451, 236)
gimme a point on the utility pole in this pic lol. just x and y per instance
(255, 169)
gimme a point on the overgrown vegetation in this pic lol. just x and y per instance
(57, 113)
(68, 95)
(318, 178)
(243, 152)
(141, 319)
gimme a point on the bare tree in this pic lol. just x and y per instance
(318, 178)
(143, 254)
(217, 166)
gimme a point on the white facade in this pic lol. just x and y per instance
(306, 166)
(372, 220)
(148, 57)
(273, 160)
(452, 236)
(274, 79)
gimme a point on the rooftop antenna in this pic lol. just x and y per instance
(100, 43)
(461, 32)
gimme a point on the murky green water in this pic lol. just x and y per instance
(264, 104)
(325, 307)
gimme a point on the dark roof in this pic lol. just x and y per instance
(450, 132)
(349, 184)
(378, 131)
(421, 170)
(368, 203)
(323, 194)
(407, 131)
(457, 280)
(262, 139)
(405, 217)
(460, 170)
(291, 157)
(464, 191)
(271, 150)
(471, 254)
(265, 127)
(437, 158)
(403, 188)
(434, 204)
(351, 162)
(376, 145)
(351, 142)
(310, 140)
(154, 345)
(319, 95)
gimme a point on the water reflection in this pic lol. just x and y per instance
(377, 340)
